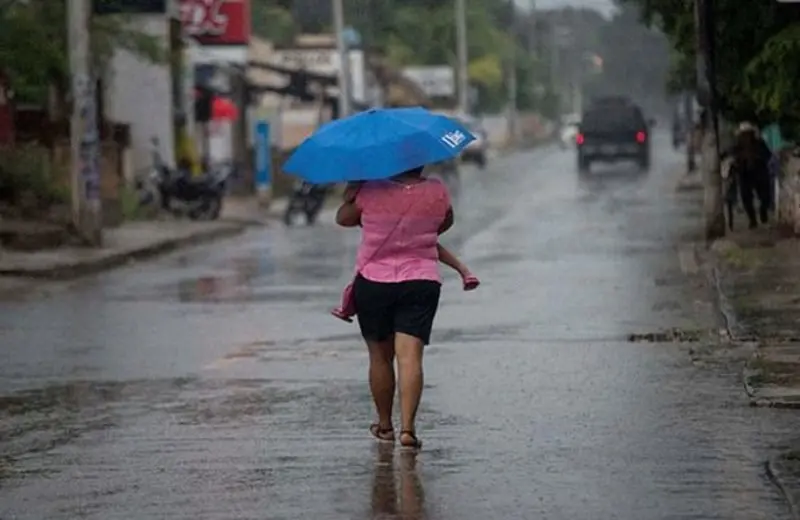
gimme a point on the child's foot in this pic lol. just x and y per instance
(339, 313)
(470, 282)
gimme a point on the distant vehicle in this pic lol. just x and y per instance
(612, 132)
(610, 100)
(306, 199)
(569, 130)
(477, 151)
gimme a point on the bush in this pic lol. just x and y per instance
(28, 183)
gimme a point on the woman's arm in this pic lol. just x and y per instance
(447, 223)
(348, 215)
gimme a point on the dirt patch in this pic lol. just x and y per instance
(673, 335)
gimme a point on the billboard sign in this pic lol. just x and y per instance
(217, 22)
(325, 61)
(435, 81)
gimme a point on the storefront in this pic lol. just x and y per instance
(220, 30)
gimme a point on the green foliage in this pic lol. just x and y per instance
(415, 32)
(780, 62)
(33, 45)
(27, 178)
(758, 51)
(273, 22)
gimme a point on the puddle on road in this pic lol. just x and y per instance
(38, 421)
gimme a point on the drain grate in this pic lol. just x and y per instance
(674, 335)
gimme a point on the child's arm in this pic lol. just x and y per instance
(450, 260)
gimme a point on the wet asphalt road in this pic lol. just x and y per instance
(212, 384)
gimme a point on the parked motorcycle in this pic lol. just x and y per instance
(178, 192)
(306, 199)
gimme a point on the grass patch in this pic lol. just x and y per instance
(739, 258)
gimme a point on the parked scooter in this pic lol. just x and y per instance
(179, 193)
(306, 199)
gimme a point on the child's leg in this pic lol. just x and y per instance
(450, 260)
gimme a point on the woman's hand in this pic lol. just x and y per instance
(350, 192)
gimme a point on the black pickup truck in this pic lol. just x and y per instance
(612, 132)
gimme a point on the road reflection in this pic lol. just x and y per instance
(397, 491)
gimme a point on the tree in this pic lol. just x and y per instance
(757, 49)
(34, 49)
(273, 21)
(416, 32)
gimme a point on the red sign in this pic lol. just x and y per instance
(217, 22)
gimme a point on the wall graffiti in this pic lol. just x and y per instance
(88, 136)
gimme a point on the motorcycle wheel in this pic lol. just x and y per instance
(211, 210)
(288, 215)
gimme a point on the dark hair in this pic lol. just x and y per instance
(413, 172)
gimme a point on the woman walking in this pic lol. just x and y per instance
(751, 164)
(397, 287)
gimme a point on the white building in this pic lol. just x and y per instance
(141, 94)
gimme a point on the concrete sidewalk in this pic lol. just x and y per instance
(135, 241)
(758, 278)
(132, 241)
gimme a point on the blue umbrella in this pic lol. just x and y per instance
(377, 144)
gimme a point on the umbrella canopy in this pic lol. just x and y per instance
(377, 144)
(223, 109)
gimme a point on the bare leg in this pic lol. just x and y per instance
(382, 385)
(409, 362)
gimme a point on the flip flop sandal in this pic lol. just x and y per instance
(338, 313)
(471, 282)
(416, 444)
(381, 434)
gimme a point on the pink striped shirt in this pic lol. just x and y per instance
(400, 230)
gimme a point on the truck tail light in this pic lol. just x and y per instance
(641, 137)
(579, 139)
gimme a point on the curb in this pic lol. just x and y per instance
(120, 258)
(778, 478)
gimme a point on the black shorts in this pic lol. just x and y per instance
(386, 308)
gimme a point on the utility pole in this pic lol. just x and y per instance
(512, 79)
(713, 205)
(463, 57)
(84, 132)
(555, 64)
(688, 118)
(344, 58)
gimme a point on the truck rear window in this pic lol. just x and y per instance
(604, 119)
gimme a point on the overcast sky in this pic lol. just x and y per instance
(604, 6)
